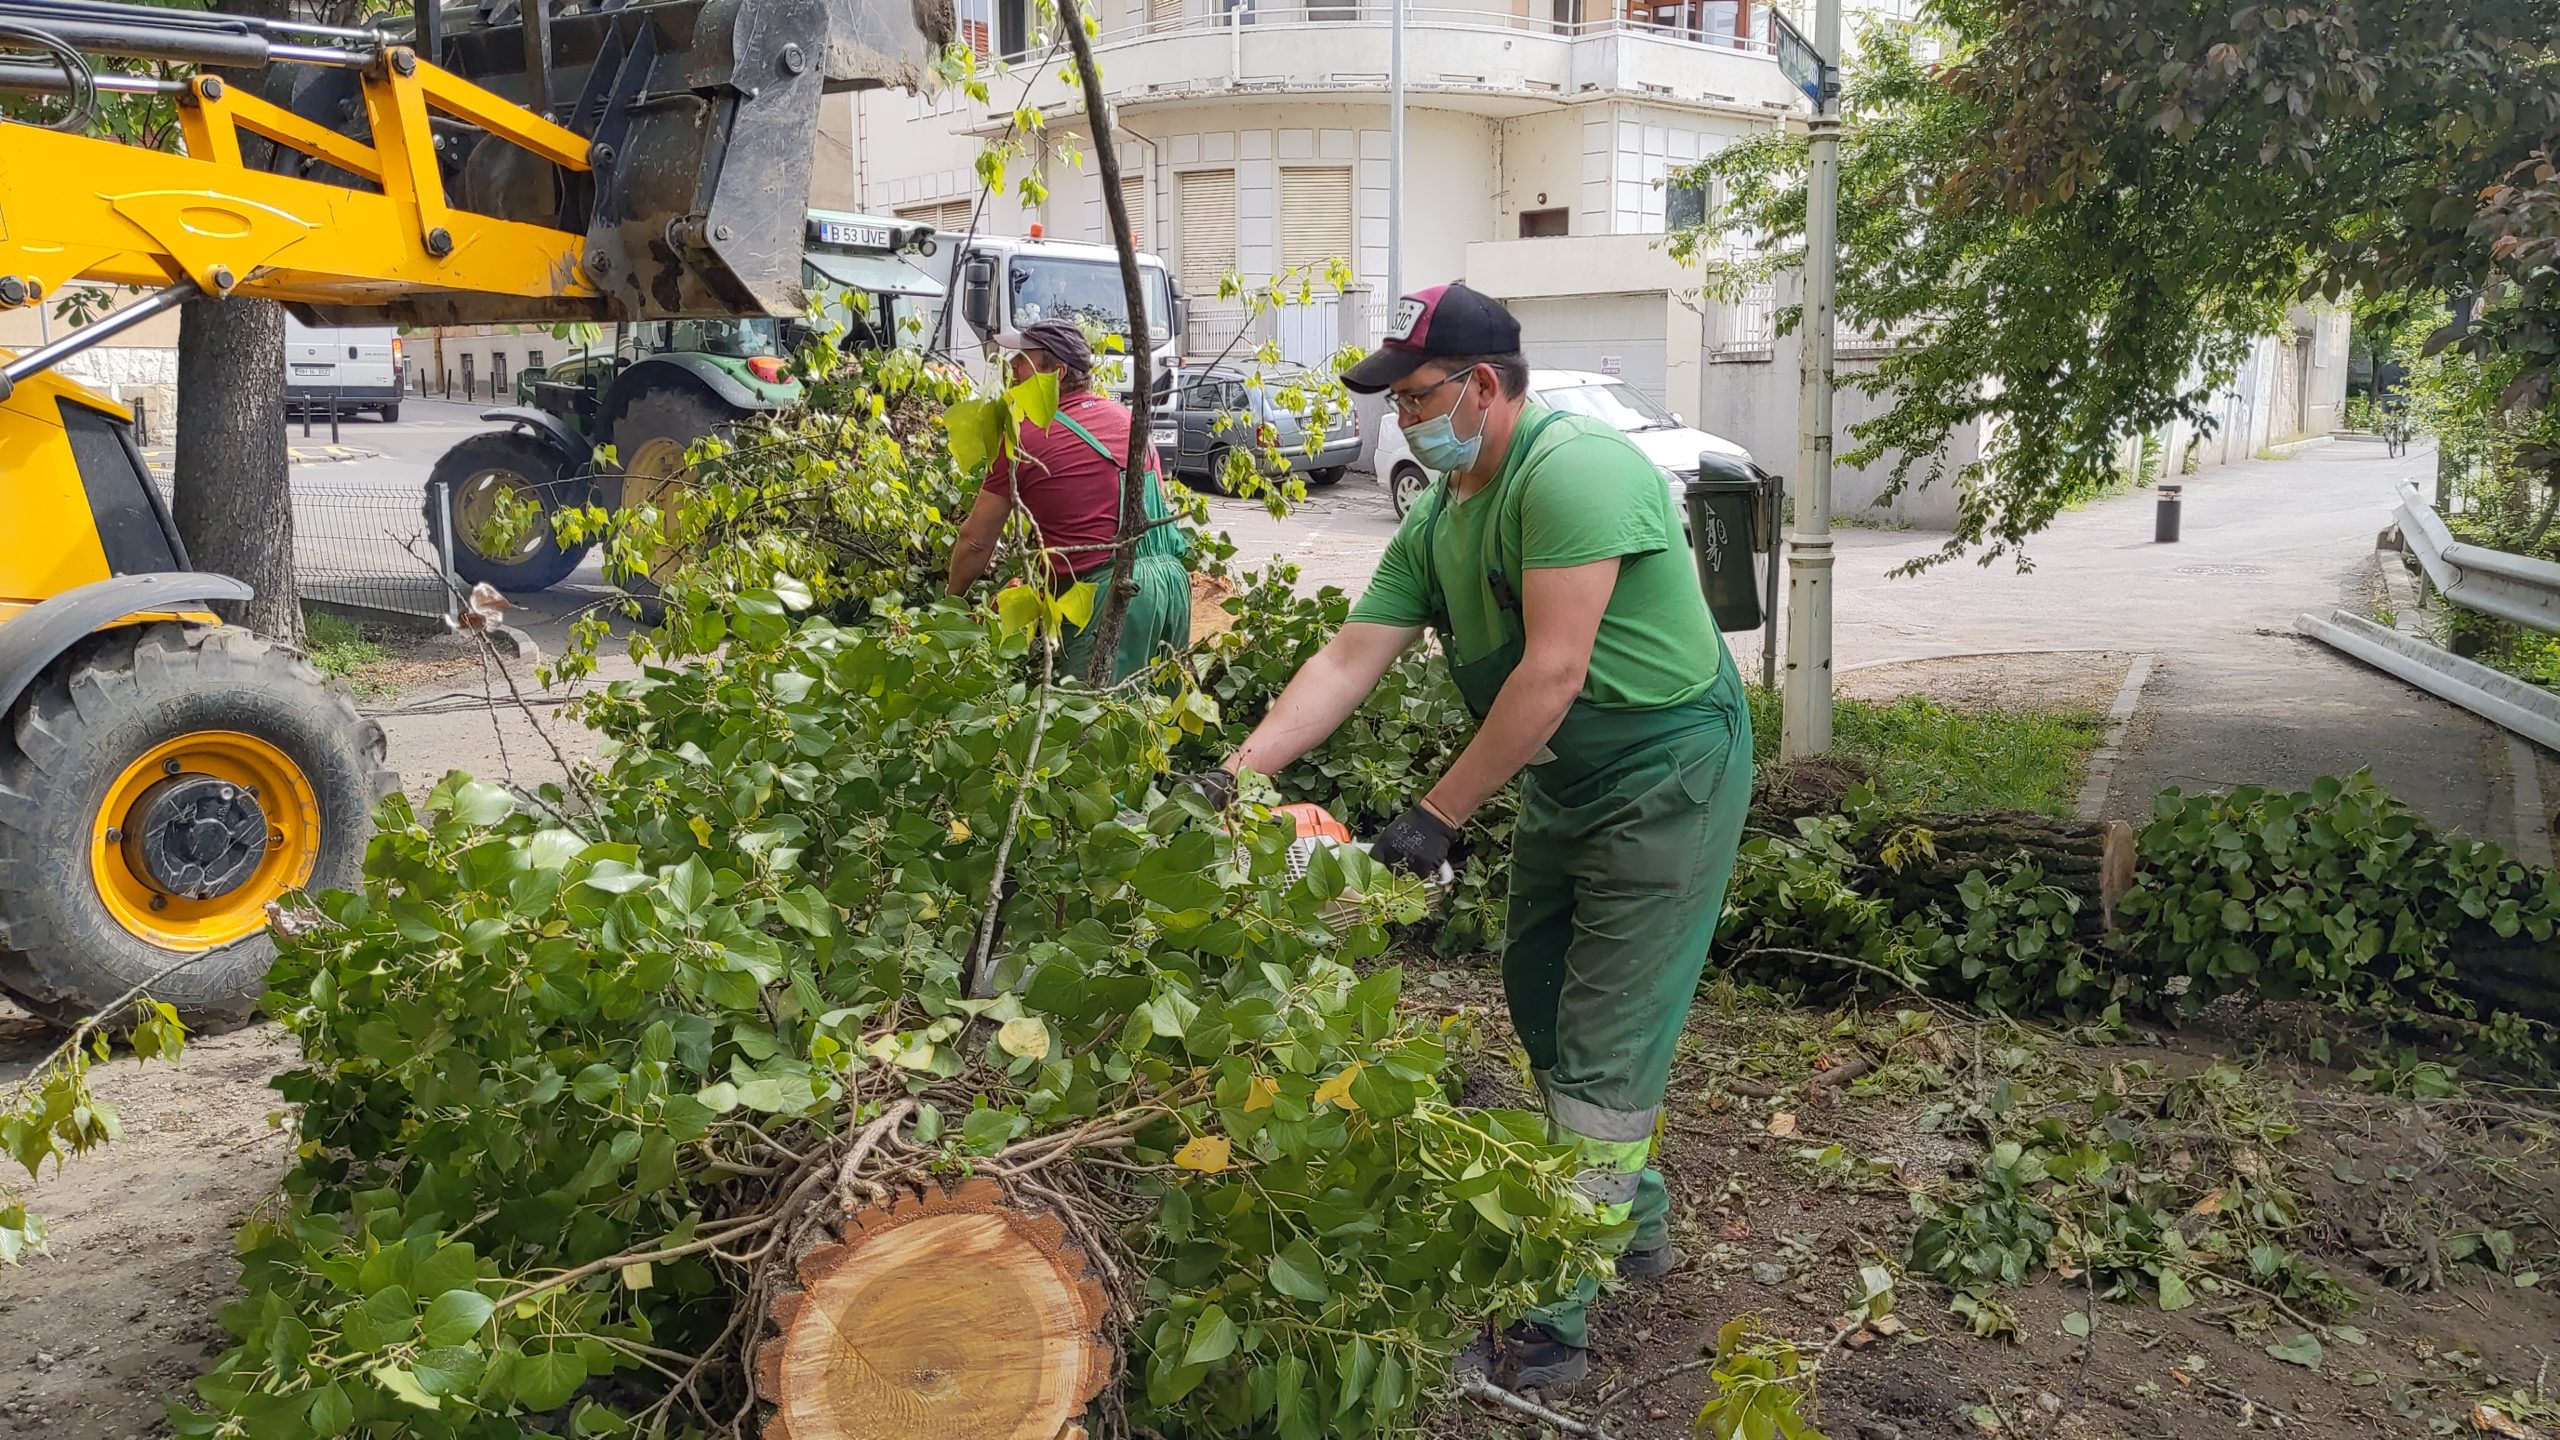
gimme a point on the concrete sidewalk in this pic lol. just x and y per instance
(2234, 696)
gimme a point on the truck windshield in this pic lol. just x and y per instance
(1049, 287)
(740, 338)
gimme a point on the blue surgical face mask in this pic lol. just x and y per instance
(1435, 443)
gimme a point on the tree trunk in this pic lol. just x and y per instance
(2092, 859)
(234, 500)
(943, 1313)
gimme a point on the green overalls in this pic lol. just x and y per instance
(1629, 820)
(1159, 618)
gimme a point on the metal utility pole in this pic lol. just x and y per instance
(1807, 697)
(1395, 153)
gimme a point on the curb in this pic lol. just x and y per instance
(2100, 782)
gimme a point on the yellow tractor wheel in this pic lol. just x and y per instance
(157, 793)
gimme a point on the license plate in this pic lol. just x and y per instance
(1161, 439)
(310, 369)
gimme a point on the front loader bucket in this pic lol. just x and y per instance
(703, 118)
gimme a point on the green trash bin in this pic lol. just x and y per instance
(1728, 507)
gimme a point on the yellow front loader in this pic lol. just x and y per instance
(164, 777)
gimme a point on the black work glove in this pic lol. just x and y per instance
(1214, 785)
(1415, 842)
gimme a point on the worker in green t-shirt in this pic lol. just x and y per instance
(1550, 567)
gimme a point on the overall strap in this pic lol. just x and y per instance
(1440, 502)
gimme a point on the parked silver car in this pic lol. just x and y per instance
(1219, 410)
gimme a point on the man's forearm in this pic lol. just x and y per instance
(1317, 700)
(969, 560)
(1524, 718)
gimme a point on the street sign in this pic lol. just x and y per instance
(1806, 68)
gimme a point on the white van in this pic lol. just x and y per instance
(345, 369)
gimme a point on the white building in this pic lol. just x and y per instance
(1254, 137)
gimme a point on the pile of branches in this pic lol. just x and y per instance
(611, 1112)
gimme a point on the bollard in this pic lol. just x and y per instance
(2164, 524)
(306, 419)
(333, 421)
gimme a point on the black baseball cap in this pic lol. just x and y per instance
(1443, 321)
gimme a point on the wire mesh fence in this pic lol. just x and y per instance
(368, 547)
(365, 546)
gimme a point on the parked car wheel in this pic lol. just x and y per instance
(1329, 475)
(390, 413)
(1407, 486)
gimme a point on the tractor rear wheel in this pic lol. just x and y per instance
(509, 462)
(652, 434)
(157, 791)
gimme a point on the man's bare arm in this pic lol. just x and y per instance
(1561, 609)
(975, 550)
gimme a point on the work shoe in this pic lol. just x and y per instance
(1525, 1357)
(1650, 1264)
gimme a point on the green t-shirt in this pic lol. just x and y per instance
(1582, 493)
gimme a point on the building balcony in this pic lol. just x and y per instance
(1489, 59)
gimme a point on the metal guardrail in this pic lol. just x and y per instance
(2515, 588)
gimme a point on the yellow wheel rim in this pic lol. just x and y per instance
(126, 884)
(655, 474)
(475, 509)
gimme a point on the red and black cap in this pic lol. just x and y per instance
(1433, 324)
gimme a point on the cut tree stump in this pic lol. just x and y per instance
(951, 1314)
(2093, 859)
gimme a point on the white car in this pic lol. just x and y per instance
(1664, 438)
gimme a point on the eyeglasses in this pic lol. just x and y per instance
(1409, 404)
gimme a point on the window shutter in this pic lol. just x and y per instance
(950, 215)
(1133, 198)
(1164, 14)
(1208, 229)
(1315, 215)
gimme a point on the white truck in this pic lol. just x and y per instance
(997, 283)
(342, 368)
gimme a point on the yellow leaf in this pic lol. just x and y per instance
(1024, 1036)
(1018, 608)
(959, 831)
(1076, 606)
(1337, 1091)
(1260, 1094)
(1204, 1153)
(701, 829)
(1782, 1124)
(2209, 1205)
(636, 1277)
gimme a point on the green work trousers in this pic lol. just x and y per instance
(1158, 623)
(1617, 883)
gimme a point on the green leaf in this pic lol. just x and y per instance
(454, 1317)
(546, 1381)
(2174, 1294)
(477, 802)
(2076, 1323)
(806, 910)
(2303, 1350)
(1298, 1272)
(331, 1412)
(1213, 1338)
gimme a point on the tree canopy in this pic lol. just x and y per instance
(2077, 217)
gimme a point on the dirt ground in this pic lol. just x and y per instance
(98, 1336)
(1762, 1236)
(2077, 681)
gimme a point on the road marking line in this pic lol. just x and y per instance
(2092, 803)
(2533, 828)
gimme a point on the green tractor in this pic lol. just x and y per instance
(664, 385)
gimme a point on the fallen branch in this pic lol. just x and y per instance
(1476, 1387)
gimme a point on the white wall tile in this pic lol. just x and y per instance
(1182, 149)
(1297, 144)
(1218, 147)
(1254, 145)
(1336, 145)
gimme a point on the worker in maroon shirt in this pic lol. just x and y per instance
(1066, 477)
